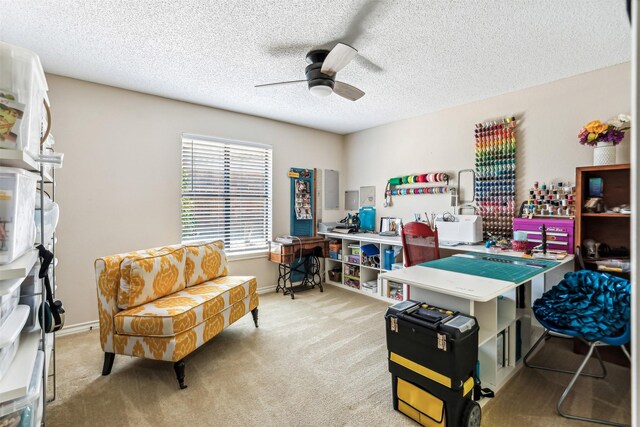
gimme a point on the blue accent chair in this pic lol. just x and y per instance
(609, 295)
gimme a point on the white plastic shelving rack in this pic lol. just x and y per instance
(20, 387)
(15, 383)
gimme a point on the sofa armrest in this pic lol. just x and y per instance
(107, 280)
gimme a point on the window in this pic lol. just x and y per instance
(226, 193)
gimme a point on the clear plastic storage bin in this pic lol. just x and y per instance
(9, 301)
(7, 355)
(22, 78)
(31, 297)
(51, 214)
(10, 337)
(26, 411)
(17, 209)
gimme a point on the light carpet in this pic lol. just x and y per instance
(318, 360)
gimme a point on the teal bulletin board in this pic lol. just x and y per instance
(303, 202)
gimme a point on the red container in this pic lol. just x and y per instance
(559, 232)
(520, 245)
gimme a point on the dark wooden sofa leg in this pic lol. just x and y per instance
(179, 368)
(254, 313)
(108, 363)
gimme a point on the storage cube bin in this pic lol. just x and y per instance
(370, 286)
(17, 208)
(335, 275)
(352, 282)
(22, 77)
(26, 411)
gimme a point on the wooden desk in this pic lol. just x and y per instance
(503, 310)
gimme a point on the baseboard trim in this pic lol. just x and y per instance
(266, 289)
(94, 324)
(78, 327)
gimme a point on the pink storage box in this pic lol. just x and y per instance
(559, 232)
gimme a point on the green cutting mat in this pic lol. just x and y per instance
(492, 266)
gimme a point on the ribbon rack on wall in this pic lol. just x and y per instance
(404, 185)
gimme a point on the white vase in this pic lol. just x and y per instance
(604, 154)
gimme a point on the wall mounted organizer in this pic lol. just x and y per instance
(425, 178)
(554, 200)
(303, 202)
(495, 146)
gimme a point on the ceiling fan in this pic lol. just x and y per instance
(321, 73)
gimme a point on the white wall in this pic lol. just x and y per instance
(119, 189)
(547, 148)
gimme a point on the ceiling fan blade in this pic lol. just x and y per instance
(360, 22)
(349, 92)
(338, 58)
(282, 83)
(369, 65)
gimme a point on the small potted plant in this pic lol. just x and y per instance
(604, 137)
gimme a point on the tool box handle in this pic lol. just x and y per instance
(416, 320)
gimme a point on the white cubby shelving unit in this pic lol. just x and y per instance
(355, 272)
(507, 327)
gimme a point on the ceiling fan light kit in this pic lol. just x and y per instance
(321, 72)
(320, 84)
(320, 90)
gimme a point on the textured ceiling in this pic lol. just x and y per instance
(416, 56)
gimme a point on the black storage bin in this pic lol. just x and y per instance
(432, 359)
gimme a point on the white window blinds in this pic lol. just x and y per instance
(226, 193)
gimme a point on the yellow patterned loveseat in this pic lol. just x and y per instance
(163, 303)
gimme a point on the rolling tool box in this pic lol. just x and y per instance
(432, 359)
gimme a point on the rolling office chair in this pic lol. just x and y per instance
(419, 243)
(593, 307)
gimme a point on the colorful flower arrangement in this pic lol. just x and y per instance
(596, 131)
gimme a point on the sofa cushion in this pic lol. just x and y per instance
(176, 347)
(150, 275)
(205, 261)
(181, 311)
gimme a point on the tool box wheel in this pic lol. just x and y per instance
(472, 414)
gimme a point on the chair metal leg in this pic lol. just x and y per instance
(626, 353)
(546, 335)
(592, 347)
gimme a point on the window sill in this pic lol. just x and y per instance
(250, 255)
